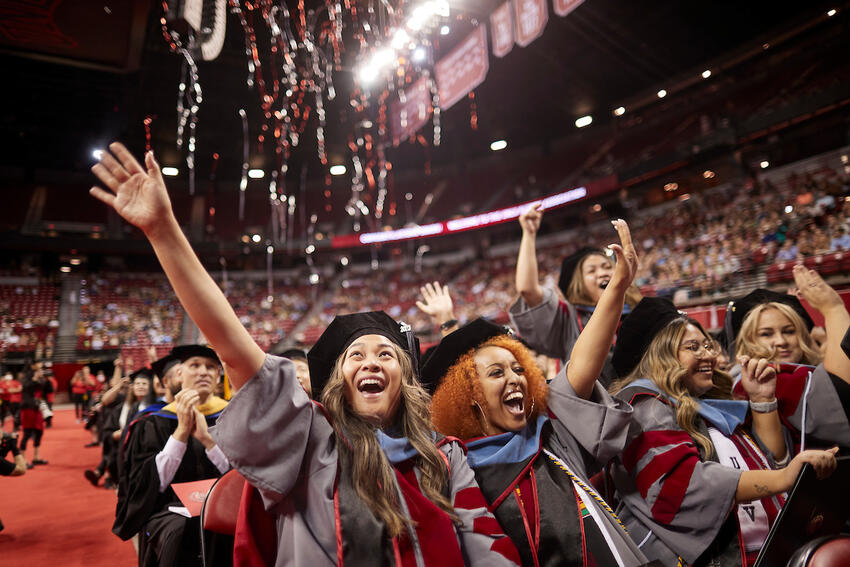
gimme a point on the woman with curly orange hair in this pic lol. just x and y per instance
(531, 445)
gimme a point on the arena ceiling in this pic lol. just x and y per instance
(81, 73)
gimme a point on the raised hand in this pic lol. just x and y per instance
(530, 219)
(758, 378)
(813, 289)
(137, 194)
(437, 302)
(627, 258)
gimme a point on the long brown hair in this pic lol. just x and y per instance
(747, 342)
(372, 475)
(577, 292)
(453, 407)
(660, 363)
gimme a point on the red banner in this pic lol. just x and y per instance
(564, 7)
(409, 116)
(502, 30)
(463, 69)
(530, 17)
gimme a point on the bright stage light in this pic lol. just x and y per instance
(418, 55)
(445, 30)
(498, 145)
(619, 111)
(170, 171)
(662, 93)
(97, 154)
(256, 173)
(583, 121)
(764, 164)
(337, 170)
(706, 74)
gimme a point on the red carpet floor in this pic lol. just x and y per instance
(53, 516)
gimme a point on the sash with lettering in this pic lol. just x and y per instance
(502, 30)
(530, 17)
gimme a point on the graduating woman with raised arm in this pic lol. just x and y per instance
(697, 483)
(360, 481)
(811, 387)
(547, 324)
(533, 447)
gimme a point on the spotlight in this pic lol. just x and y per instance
(583, 121)
(256, 238)
(310, 249)
(708, 174)
(832, 12)
(97, 154)
(662, 93)
(619, 111)
(706, 74)
(337, 170)
(170, 171)
(445, 30)
(765, 164)
(418, 55)
(498, 145)
(788, 209)
(314, 279)
(256, 173)
(343, 261)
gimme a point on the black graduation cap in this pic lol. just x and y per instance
(164, 364)
(292, 354)
(343, 330)
(568, 266)
(184, 352)
(638, 329)
(143, 372)
(738, 309)
(455, 345)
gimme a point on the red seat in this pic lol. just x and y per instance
(221, 506)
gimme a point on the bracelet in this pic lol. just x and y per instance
(446, 325)
(764, 407)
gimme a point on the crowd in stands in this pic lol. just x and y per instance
(117, 310)
(28, 319)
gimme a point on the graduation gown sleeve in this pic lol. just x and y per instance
(671, 501)
(550, 328)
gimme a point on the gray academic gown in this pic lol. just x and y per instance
(285, 446)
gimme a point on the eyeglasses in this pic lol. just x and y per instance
(694, 347)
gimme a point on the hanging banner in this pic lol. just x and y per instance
(530, 17)
(463, 69)
(502, 30)
(411, 115)
(564, 7)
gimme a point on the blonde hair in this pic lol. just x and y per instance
(452, 406)
(373, 477)
(577, 292)
(747, 343)
(660, 363)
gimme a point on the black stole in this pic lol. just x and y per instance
(559, 520)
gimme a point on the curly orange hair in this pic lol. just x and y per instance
(453, 410)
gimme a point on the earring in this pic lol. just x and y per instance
(531, 409)
(484, 430)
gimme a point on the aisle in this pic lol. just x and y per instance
(53, 516)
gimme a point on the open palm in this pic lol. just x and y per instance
(138, 195)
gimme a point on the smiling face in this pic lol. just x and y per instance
(697, 356)
(596, 272)
(776, 331)
(505, 389)
(201, 374)
(372, 378)
(141, 387)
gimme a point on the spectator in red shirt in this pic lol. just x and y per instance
(78, 394)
